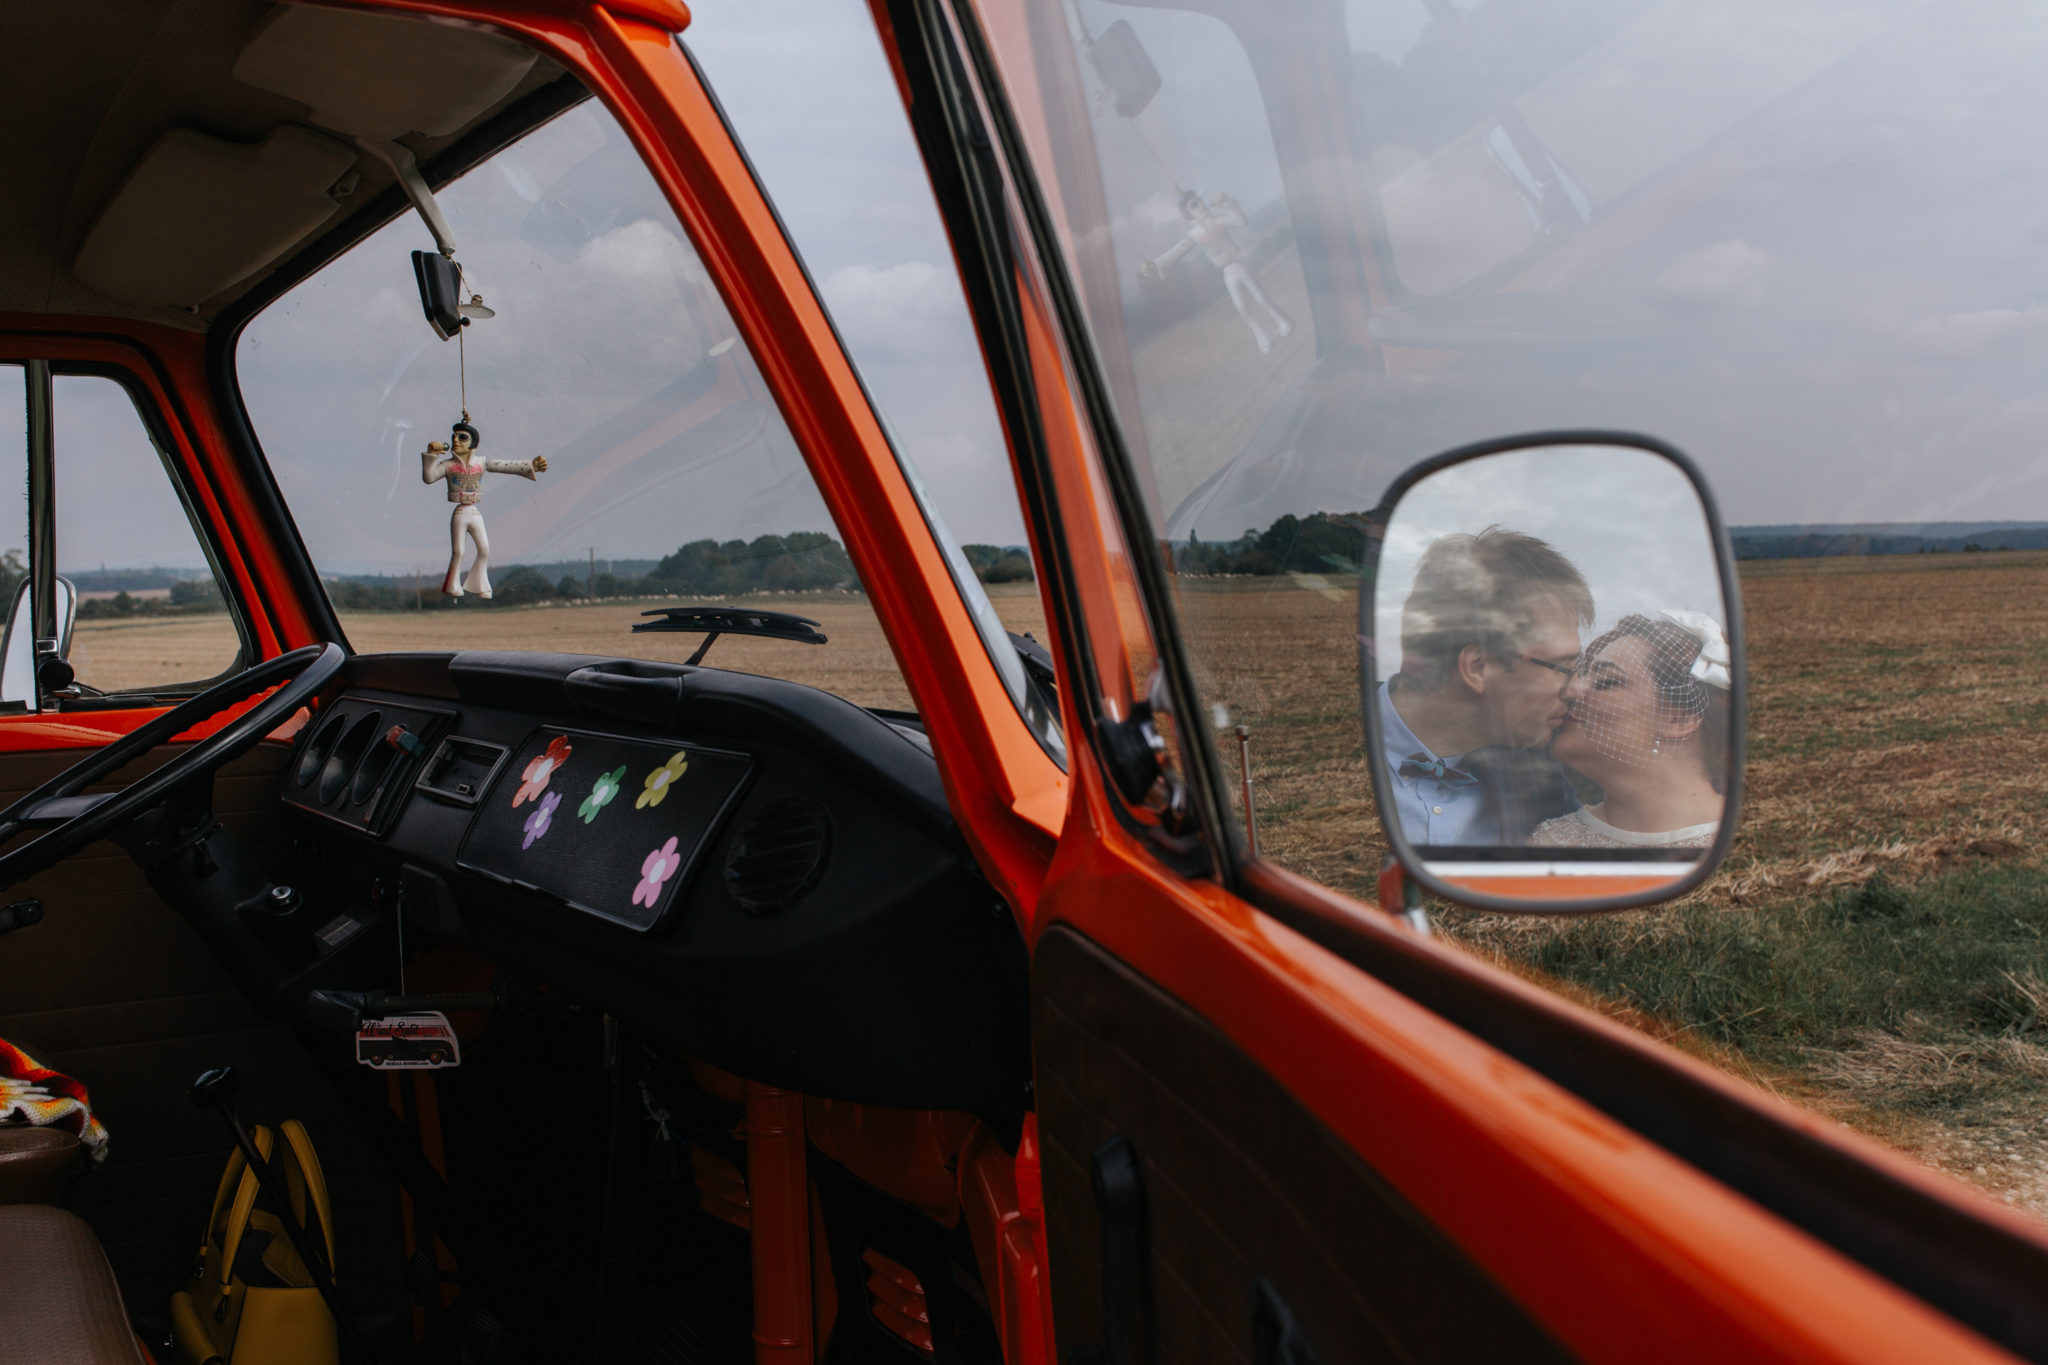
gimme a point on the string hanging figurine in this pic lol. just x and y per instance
(456, 460)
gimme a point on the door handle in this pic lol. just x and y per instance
(1120, 1209)
(1277, 1338)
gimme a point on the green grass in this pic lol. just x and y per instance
(1923, 999)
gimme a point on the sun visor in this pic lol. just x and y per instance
(198, 214)
(380, 76)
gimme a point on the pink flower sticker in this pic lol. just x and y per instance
(543, 816)
(659, 866)
(534, 780)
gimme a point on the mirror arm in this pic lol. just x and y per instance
(406, 167)
(1402, 898)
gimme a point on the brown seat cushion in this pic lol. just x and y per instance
(36, 1163)
(57, 1293)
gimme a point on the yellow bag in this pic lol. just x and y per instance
(252, 1301)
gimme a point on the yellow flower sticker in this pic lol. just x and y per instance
(661, 779)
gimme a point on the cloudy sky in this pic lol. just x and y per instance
(1804, 240)
(611, 353)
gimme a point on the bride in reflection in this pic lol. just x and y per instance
(1647, 719)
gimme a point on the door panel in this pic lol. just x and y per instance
(1241, 1183)
(115, 989)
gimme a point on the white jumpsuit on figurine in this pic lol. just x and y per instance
(465, 475)
(1210, 230)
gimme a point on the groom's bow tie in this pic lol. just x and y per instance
(1422, 765)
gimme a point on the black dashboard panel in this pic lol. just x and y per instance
(830, 934)
(610, 826)
(356, 761)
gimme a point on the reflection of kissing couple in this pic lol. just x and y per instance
(1496, 698)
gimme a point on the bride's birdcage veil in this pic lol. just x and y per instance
(1638, 715)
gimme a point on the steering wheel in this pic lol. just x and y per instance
(72, 820)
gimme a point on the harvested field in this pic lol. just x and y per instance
(1876, 943)
(151, 651)
(1895, 718)
(857, 664)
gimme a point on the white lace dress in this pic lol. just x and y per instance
(1583, 829)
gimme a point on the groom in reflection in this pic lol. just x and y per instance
(1489, 636)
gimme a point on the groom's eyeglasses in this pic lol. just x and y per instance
(1567, 669)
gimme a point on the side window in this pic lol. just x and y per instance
(1812, 276)
(13, 509)
(151, 613)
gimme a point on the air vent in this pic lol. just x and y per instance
(780, 855)
(896, 1300)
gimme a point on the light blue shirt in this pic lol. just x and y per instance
(1432, 811)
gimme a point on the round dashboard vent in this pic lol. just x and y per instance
(780, 855)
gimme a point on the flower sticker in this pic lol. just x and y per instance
(601, 793)
(543, 816)
(661, 779)
(657, 868)
(534, 780)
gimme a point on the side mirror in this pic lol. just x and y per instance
(440, 282)
(1552, 676)
(18, 647)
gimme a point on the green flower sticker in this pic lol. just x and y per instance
(601, 793)
(659, 781)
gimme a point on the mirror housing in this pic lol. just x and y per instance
(21, 681)
(440, 282)
(1551, 673)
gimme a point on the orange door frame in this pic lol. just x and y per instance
(166, 370)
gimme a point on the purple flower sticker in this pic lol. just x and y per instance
(543, 816)
(659, 866)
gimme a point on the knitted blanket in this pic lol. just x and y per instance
(31, 1093)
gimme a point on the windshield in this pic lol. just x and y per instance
(620, 456)
(1319, 241)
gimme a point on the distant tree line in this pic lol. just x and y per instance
(1322, 542)
(1826, 545)
(802, 561)
(188, 597)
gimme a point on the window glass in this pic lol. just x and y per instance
(13, 495)
(670, 478)
(151, 612)
(1800, 241)
(854, 196)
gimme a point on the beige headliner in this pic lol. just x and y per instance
(91, 85)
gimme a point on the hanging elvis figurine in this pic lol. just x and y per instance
(1209, 225)
(464, 470)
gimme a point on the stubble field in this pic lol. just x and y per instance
(1876, 945)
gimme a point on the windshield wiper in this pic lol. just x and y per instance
(1037, 660)
(717, 621)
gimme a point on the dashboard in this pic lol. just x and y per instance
(755, 871)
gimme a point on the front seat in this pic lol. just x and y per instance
(37, 1163)
(58, 1299)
